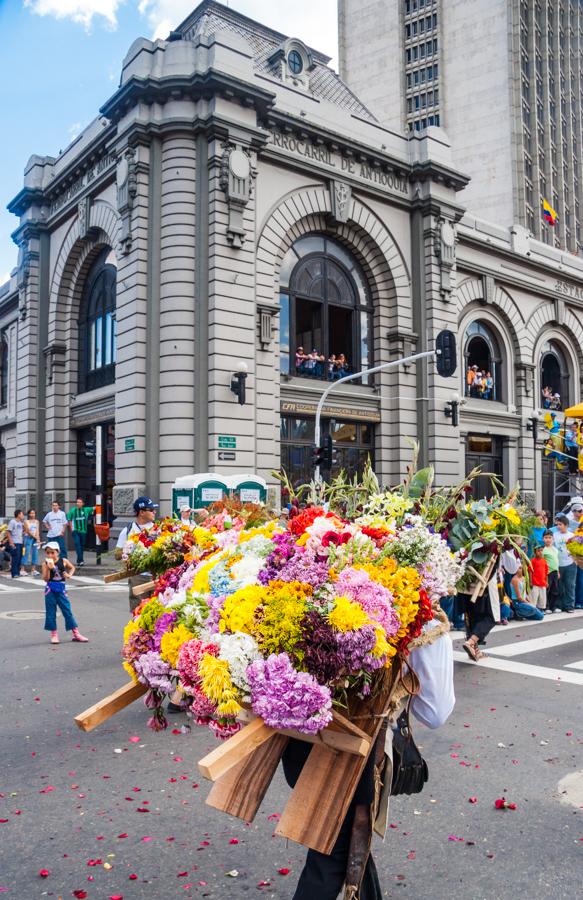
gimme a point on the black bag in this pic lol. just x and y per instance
(410, 770)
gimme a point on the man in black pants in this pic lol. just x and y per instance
(323, 875)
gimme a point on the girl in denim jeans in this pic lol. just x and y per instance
(31, 541)
(55, 573)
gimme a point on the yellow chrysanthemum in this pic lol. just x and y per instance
(216, 684)
(283, 609)
(238, 612)
(347, 616)
(130, 670)
(266, 531)
(171, 643)
(129, 629)
(203, 537)
(382, 646)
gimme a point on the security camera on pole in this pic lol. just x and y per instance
(446, 362)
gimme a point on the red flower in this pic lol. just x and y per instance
(502, 803)
(331, 538)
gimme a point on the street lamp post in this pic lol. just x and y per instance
(396, 362)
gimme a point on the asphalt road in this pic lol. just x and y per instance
(95, 809)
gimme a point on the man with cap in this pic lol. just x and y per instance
(575, 517)
(145, 514)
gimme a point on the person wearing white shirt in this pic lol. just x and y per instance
(567, 568)
(145, 514)
(55, 524)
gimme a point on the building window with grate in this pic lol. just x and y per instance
(4, 369)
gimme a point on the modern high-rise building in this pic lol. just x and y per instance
(504, 78)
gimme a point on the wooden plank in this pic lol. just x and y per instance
(109, 706)
(320, 800)
(241, 791)
(115, 576)
(335, 738)
(216, 763)
(141, 589)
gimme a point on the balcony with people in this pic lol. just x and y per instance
(326, 316)
(483, 362)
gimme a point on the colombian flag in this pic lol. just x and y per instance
(549, 213)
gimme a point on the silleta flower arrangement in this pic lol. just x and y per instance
(288, 618)
(575, 547)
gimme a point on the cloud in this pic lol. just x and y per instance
(81, 11)
(4, 278)
(74, 130)
(314, 23)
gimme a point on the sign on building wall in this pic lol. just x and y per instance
(227, 442)
(129, 444)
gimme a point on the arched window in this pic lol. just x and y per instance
(4, 359)
(97, 331)
(483, 363)
(325, 318)
(554, 377)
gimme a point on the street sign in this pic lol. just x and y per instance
(227, 442)
(227, 456)
(129, 444)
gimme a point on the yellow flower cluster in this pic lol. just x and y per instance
(239, 608)
(216, 684)
(266, 531)
(129, 630)
(203, 537)
(171, 643)
(404, 584)
(279, 625)
(347, 616)
(200, 584)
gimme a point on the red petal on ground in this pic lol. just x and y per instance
(44, 873)
(133, 876)
(283, 871)
(123, 835)
(81, 895)
(233, 841)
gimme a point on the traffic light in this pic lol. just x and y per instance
(325, 456)
(317, 457)
(330, 454)
(446, 353)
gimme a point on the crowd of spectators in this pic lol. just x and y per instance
(550, 582)
(315, 365)
(551, 400)
(479, 383)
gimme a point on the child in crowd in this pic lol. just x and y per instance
(517, 604)
(539, 571)
(55, 572)
(551, 555)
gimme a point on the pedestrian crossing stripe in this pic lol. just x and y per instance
(517, 668)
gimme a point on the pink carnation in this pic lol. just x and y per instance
(376, 600)
(189, 659)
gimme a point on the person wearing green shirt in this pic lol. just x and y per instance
(78, 517)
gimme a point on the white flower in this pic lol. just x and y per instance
(238, 650)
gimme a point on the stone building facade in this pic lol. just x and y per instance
(233, 202)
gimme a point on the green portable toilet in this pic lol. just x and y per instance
(208, 488)
(182, 493)
(248, 488)
(198, 490)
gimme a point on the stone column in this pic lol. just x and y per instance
(136, 304)
(177, 312)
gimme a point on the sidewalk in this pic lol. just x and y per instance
(108, 563)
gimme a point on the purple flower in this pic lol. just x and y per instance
(356, 648)
(285, 698)
(139, 642)
(303, 565)
(153, 671)
(319, 648)
(164, 624)
(215, 605)
(375, 599)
